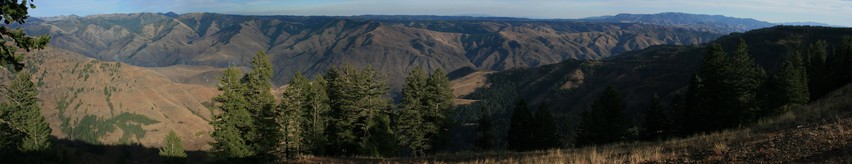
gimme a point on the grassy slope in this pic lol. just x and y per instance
(818, 132)
(122, 97)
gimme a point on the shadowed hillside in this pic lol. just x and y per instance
(571, 87)
(817, 132)
(664, 70)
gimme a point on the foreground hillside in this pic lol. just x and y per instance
(817, 132)
(115, 103)
(313, 44)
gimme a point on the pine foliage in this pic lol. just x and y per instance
(234, 121)
(520, 133)
(316, 116)
(15, 11)
(172, 149)
(360, 112)
(484, 132)
(790, 84)
(24, 133)
(545, 134)
(289, 118)
(260, 103)
(411, 127)
(605, 122)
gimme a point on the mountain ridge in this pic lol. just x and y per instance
(312, 44)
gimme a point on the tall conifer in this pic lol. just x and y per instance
(231, 125)
(411, 128)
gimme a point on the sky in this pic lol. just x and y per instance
(835, 12)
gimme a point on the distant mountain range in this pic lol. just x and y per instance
(711, 23)
(808, 24)
(312, 44)
(393, 44)
(702, 22)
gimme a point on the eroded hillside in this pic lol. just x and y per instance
(313, 44)
(116, 103)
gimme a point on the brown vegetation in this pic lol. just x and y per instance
(78, 86)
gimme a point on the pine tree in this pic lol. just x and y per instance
(439, 100)
(743, 78)
(484, 132)
(289, 118)
(316, 116)
(234, 120)
(818, 70)
(706, 97)
(172, 149)
(658, 122)
(520, 128)
(260, 103)
(21, 121)
(360, 112)
(544, 135)
(724, 92)
(605, 122)
(10, 135)
(691, 115)
(789, 86)
(845, 69)
(411, 128)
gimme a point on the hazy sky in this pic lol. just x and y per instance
(837, 12)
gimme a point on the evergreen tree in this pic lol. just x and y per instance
(484, 132)
(692, 114)
(15, 11)
(743, 79)
(316, 116)
(705, 97)
(789, 86)
(724, 92)
(10, 135)
(658, 122)
(172, 149)
(411, 127)
(359, 110)
(818, 70)
(439, 100)
(22, 127)
(289, 118)
(231, 125)
(544, 135)
(520, 128)
(259, 102)
(605, 122)
(845, 69)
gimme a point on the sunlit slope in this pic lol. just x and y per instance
(112, 103)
